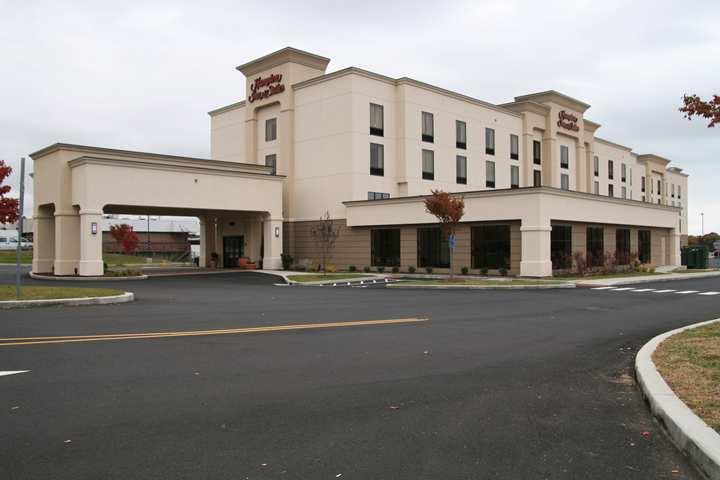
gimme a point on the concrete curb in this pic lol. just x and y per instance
(123, 298)
(689, 433)
(650, 279)
(320, 283)
(84, 279)
(483, 287)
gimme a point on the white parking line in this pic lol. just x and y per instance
(644, 290)
(665, 291)
(709, 293)
(604, 288)
(623, 289)
(685, 292)
(12, 372)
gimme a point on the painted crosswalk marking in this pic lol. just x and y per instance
(665, 291)
(685, 292)
(12, 372)
(653, 290)
(709, 293)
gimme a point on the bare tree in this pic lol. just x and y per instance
(326, 233)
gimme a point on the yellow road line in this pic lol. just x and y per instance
(4, 342)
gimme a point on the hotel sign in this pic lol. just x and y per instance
(266, 87)
(568, 121)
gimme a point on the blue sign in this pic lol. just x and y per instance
(451, 241)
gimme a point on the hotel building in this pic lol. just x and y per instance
(538, 183)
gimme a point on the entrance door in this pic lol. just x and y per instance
(233, 249)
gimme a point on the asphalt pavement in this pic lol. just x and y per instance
(523, 384)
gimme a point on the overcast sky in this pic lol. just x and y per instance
(143, 75)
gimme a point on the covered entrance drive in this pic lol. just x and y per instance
(239, 205)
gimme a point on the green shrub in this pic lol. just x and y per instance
(503, 271)
(287, 261)
(123, 273)
(395, 269)
(352, 268)
(483, 271)
(380, 269)
(428, 269)
(411, 269)
(464, 270)
(366, 269)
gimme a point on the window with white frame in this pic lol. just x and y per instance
(490, 141)
(514, 147)
(460, 134)
(377, 159)
(623, 172)
(596, 187)
(565, 181)
(596, 166)
(564, 156)
(624, 192)
(514, 176)
(271, 161)
(378, 195)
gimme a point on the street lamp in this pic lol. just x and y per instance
(702, 224)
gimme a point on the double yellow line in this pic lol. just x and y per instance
(7, 342)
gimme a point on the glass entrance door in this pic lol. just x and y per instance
(233, 249)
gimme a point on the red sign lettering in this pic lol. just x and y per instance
(568, 121)
(266, 87)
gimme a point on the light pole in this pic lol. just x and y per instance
(702, 224)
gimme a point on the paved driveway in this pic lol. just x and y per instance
(496, 384)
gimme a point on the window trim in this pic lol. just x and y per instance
(427, 137)
(377, 131)
(489, 139)
(460, 179)
(564, 162)
(378, 171)
(428, 175)
(490, 183)
(271, 121)
(516, 155)
(458, 142)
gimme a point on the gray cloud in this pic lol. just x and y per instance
(142, 75)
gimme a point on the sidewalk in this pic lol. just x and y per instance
(606, 282)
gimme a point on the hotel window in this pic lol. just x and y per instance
(270, 129)
(622, 246)
(537, 178)
(611, 190)
(644, 253)
(271, 161)
(385, 247)
(537, 152)
(659, 188)
(377, 159)
(378, 195)
(596, 166)
(514, 147)
(427, 127)
(514, 176)
(624, 192)
(489, 174)
(432, 248)
(565, 181)
(623, 172)
(490, 141)
(611, 170)
(461, 169)
(490, 246)
(428, 165)
(564, 157)
(595, 247)
(376, 120)
(596, 187)
(631, 178)
(561, 247)
(672, 188)
(642, 185)
(679, 194)
(460, 134)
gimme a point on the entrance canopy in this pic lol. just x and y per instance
(74, 185)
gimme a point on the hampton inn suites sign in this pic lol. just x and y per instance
(568, 121)
(266, 87)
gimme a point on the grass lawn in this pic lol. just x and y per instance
(690, 363)
(7, 292)
(8, 256)
(611, 275)
(112, 259)
(479, 281)
(320, 277)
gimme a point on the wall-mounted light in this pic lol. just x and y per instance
(277, 232)
(93, 228)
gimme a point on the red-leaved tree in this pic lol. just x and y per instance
(696, 106)
(8, 206)
(125, 235)
(448, 210)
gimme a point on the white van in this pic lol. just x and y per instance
(8, 241)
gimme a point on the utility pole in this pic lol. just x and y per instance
(18, 250)
(702, 224)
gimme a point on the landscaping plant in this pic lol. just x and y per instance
(449, 211)
(326, 233)
(125, 236)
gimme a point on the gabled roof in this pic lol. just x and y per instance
(284, 55)
(556, 97)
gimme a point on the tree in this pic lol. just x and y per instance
(448, 210)
(125, 235)
(695, 106)
(708, 240)
(326, 233)
(8, 206)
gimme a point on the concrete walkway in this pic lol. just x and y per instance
(590, 282)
